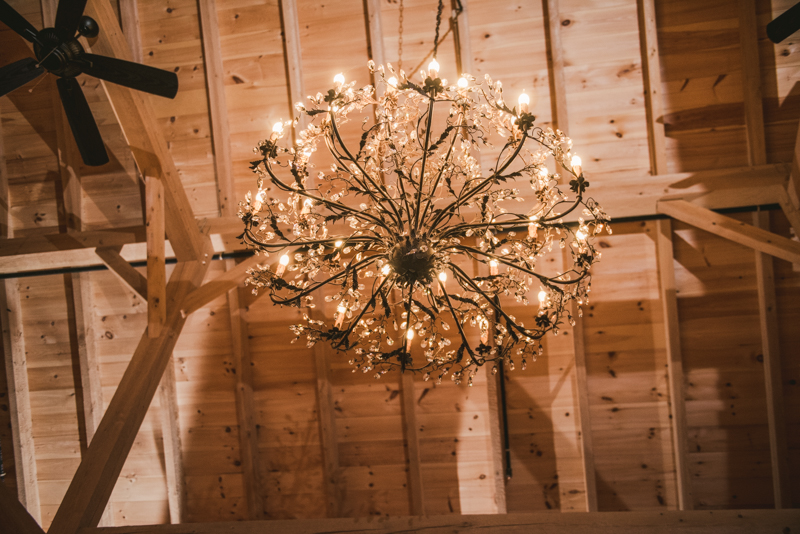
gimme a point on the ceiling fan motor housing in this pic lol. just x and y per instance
(57, 54)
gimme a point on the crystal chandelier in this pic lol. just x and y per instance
(392, 229)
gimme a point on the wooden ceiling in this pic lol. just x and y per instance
(678, 389)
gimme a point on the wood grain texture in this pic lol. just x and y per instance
(751, 83)
(132, 278)
(293, 58)
(156, 256)
(771, 347)
(171, 436)
(651, 74)
(669, 304)
(93, 482)
(219, 285)
(732, 229)
(416, 495)
(555, 63)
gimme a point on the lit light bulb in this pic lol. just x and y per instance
(338, 243)
(532, 227)
(442, 281)
(392, 83)
(463, 83)
(342, 309)
(433, 68)
(259, 201)
(542, 296)
(277, 130)
(576, 166)
(524, 101)
(409, 338)
(339, 79)
(386, 270)
(307, 203)
(282, 263)
(543, 172)
(581, 235)
(493, 267)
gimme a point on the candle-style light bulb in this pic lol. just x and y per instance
(277, 130)
(524, 102)
(442, 281)
(392, 83)
(409, 338)
(433, 68)
(484, 323)
(307, 204)
(542, 297)
(338, 243)
(339, 79)
(282, 263)
(493, 267)
(532, 226)
(463, 83)
(342, 309)
(259, 201)
(580, 235)
(576, 166)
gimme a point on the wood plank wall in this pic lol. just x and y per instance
(626, 360)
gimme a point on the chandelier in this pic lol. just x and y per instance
(390, 231)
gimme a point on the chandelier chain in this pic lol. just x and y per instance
(400, 40)
(438, 24)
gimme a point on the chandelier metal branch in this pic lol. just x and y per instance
(392, 225)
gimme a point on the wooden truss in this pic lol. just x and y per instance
(688, 197)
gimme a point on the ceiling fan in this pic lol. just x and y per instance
(59, 52)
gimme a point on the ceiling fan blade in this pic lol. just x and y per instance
(18, 74)
(17, 22)
(784, 25)
(140, 77)
(68, 15)
(82, 123)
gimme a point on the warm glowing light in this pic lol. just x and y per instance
(493, 267)
(581, 235)
(277, 127)
(284, 259)
(392, 82)
(259, 201)
(463, 82)
(339, 243)
(524, 102)
(386, 270)
(443, 277)
(433, 68)
(339, 79)
(409, 338)
(282, 263)
(576, 165)
(542, 296)
(532, 226)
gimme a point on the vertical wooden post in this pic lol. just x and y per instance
(19, 403)
(751, 83)
(411, 431)
(770, 346)
(669, 303)
(651, 76)
(171, 435)
(293, 57)
(245, 406)
(156, 268)
(555, 63)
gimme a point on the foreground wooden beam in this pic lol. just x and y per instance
(97, 474)
(770, 347)
(73, 241)
(156, 257)
(736, 231)
(669, 306)
(129, 276)
(13, 516)
(135, 117)
(220, 285)
(708, 522)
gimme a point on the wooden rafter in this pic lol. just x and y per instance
(651, 75)
(416, 496)
(770, 347)
(171, 437)
(220, 285)
(132, 278)
(327, 432)
(156, 257)
(737, 231)
(555, 65)
(293, 57)
(751, 83)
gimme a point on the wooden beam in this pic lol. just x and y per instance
(669, 307)
(132, 278)
(587, 451)
(293, 57)
(171, 437)
(156, 257)
(14, 354)
(665, 522)
(217, 105)
(555, 64)
(245, 405)
(135, 116)
(736, 231)
(461, 37)
(129, 20)
(751, 83)
(97, 474)
(72, 241)
(218, 286)
(496, 424)
(792, 213)
(770, 346)
(651, 75)
(13, 515)
(327, 427)
(372, 8)
(19, 403)
(416, 497)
